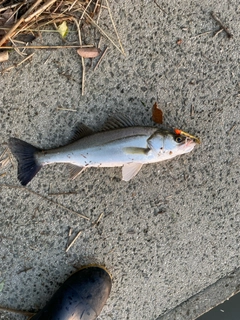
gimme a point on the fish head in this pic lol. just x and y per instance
(166, 142)
(183, 144)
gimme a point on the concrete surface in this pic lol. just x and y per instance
(174, 229)
(208, 299)
(228, 310)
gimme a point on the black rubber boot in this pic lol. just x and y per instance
(81, 297)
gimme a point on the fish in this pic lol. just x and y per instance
(120, 143)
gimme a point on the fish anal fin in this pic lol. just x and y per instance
(80, 131)
(130, 170)
(75, 170)
(118, 121)
(134, 150)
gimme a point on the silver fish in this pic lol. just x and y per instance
(120, 144)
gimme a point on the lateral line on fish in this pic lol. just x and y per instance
(119, 139)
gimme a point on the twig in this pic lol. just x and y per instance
(202, 34)
(208, 58)
(73, 177)
(84, 11)
(25, 313)
(99, 42)
(10, 157)
(15, 13)
(103, 33)
(229, 34)
(41, 25)
(73, 4)
(24, 270)
(69, 233)
(42, 30)
(40, 10)
(7, 69)
(16, 49)
(83, 66)
(46, 47)
(17, 64)
(159, 7)
(9, 7)
(62, 193)
(24, 60)
(83, 63)
(47, 59)
(14, 27)
(74, 240)
(3, 153)
(114, 26)
(192, 111)
(43, 197)
(98, 219)
(4, 162)
(231, 129)
(58, 6)
(32, 7)
(95, 8)
(99, 13)
(217, 33)
(101, 58)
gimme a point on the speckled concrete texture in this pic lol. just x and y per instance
(220, 291)
(174, 229)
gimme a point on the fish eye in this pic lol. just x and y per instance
(179, 139)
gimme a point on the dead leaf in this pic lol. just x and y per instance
(63, 29)
(157, 114)
(4, 56)
(27, 37)
(89, 52)
(6, 20)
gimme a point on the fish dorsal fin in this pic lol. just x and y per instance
(118, 121)
(75, 170)
(81, 131)
(129, 170)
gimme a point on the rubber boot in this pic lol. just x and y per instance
(81, 297)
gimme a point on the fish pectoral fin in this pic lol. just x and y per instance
(134, 150)
(75, 170)
(130, 170)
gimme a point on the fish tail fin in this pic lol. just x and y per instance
(24, 152)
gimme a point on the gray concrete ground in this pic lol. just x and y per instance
(206, 300)
(174, 229)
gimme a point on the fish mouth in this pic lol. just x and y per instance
(189, 144)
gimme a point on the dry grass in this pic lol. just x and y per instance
(23, 21)
(29, 18)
